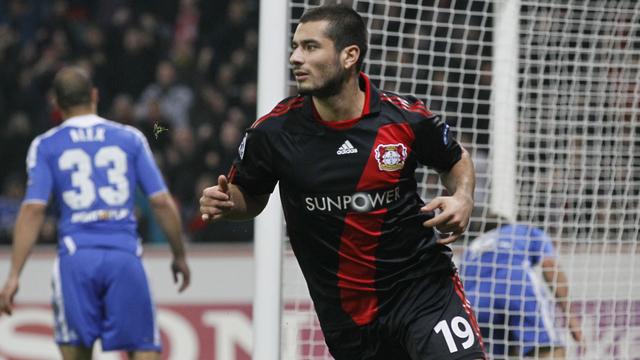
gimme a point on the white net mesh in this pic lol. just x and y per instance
(577, 158)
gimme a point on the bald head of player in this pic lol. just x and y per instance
(73, 92)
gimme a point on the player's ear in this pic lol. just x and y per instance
(94, 95)
(53, 101)
(350, 56)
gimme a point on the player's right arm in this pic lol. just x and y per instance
(29, 221)
(230, 201)
(252, 178)
(27, 227)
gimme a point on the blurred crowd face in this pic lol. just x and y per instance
(123, 109)
(134, 40)
(230, 136)
(165, 74)
(316, 63)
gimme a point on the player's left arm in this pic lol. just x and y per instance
(559, 284)
(27, 227)
(163, 207)
(455, 210)
(166, 212)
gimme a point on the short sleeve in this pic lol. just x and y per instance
(540, 246)
(148, 175)
(434, 145)
(39, 184)
(253, 168)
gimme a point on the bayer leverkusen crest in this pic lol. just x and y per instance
(391, 157)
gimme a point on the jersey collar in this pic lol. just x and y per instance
(371, 106)
(83, 121)
(372, 96)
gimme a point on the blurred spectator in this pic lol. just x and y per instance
(10, 199)
(133, 56)
(174, 99)
(14, 142)
(123, 109)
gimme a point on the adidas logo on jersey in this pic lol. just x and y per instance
(346, 148)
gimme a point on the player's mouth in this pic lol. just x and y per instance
(301, 75)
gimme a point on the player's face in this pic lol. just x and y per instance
(316, 64)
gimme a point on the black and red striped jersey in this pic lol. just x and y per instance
(348, 190)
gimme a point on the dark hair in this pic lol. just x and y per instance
(346, 27)
(72, 87)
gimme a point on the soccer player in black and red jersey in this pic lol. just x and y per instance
(345, 154)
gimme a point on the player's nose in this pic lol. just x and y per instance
(296, 57)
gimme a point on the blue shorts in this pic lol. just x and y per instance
(506, 321)
(103, 294)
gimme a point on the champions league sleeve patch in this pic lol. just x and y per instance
(445, 134)
(243, 144)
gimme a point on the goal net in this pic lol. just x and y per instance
(545, 95)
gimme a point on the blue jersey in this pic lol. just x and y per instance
(512, 304)
(508, 254)
(91, 168)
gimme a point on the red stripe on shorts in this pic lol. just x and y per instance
(457, 284)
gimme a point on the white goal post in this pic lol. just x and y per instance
(545, 94)
(268, 238)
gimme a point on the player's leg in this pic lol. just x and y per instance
(70, 352)
(533, 328)
(443, 326)
(130, 322)
(366, 342)
(547, 352)
(144, 355)
(75, 302)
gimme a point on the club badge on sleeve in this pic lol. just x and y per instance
(243, 144)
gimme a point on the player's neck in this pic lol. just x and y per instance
(345, 105)
(78, 111)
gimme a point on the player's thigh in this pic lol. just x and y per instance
(144, 355)
(532, 325)
(547, 352)
(130, 321)
(363, 343)
(70, 352)
(449, 331)
(76, 300)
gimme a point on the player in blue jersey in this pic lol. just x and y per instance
(91, 167)
(514, 307)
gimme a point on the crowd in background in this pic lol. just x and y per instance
(185, 65)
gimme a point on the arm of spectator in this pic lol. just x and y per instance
(166, 212)
(28, 224)
(230, 201)
(559, 284)
(455, 209)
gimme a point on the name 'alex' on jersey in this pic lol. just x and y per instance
(348, 191)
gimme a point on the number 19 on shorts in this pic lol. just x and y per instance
(460, 328)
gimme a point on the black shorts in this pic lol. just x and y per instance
(439, 325)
